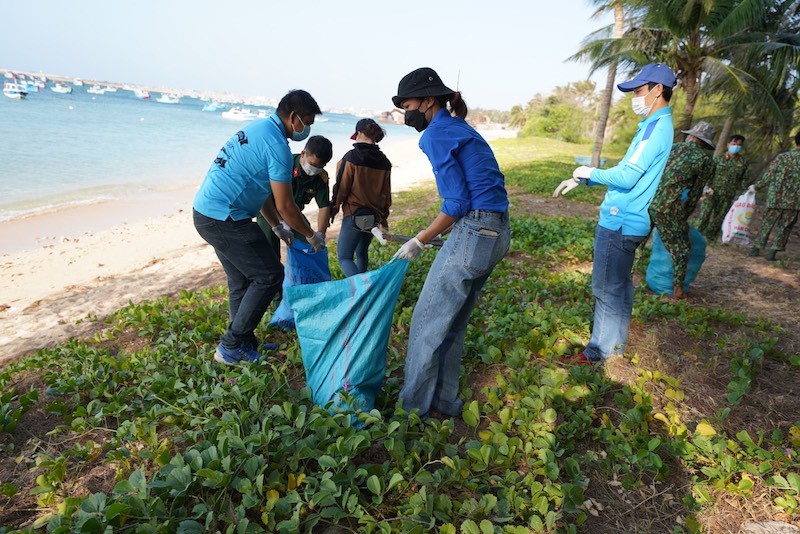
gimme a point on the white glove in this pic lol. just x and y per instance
(752, 188)
(284, 232)
(566, 186)
(379, 232)
(317, 241)
(411, 249)
(582, 172)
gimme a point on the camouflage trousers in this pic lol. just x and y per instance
(782, 221)
(674, 232)
(712, 213)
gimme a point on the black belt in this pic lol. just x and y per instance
(486, 214)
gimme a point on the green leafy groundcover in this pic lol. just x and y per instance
(199, 447)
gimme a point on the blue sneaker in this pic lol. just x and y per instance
(239, 355)
(263, 347)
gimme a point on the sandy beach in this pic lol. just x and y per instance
(59, 268)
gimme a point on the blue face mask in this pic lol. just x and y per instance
(734, 149)
(301, 135)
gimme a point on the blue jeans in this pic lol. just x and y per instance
(254, 273)
(612, 288)
(353, 242)
(477, 243)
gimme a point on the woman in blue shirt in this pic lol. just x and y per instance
(475, 208)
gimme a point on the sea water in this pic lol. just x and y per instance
(58, 149)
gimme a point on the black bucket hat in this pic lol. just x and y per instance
(420, 83)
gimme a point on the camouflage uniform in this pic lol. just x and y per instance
(689, 167)
(730, 180)
(782, 180)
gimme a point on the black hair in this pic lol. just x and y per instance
(736, 137)
(457, 106)
(320, 147)
(797, 138)
(666, 92)
(374, 132)
(298, 101)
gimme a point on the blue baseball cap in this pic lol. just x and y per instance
(653, 72)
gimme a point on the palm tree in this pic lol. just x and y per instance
(692, 35)
(687, 35)
(761, 83)
(611, 75)
(517, 117)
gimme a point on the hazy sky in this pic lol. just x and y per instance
(345, 53)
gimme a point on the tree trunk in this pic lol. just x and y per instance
(605, 109)
(691, 84)
(724, 135)
(605, 103)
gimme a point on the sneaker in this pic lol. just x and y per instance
(754, 252)
(263, 347)
(771, 255)
(577, 359)
(239, 355)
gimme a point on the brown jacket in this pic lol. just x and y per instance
(363, 181)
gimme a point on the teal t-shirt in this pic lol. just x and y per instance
(238, 181)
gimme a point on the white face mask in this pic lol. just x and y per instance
(638, 105)
(310, 169)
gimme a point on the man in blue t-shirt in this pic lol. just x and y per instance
(251, 170)
(624, 221)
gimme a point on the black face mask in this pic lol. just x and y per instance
(416, 119)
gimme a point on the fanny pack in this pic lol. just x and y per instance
(364, 219)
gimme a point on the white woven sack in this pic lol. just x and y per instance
(736, 226)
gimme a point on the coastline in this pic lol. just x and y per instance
(91, 260)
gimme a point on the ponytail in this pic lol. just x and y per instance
(374, 132)
(454, 104)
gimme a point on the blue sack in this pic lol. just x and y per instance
(343, 327)
(302, 267)
(659, 271)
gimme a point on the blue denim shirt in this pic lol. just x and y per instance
(633, 182)
(237, 184)
(467, 174)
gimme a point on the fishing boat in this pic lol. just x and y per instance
(142, 94)
(14, 90)
(61, 88)
(77, 82)
(168, 99)
(95, 90)
(109, 89)
(239, 114)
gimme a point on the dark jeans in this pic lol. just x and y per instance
(353, 242)
(254, 273)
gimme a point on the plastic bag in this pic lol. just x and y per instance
(343, 327)
(659, 274)
(302, 267)
(736, 225)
